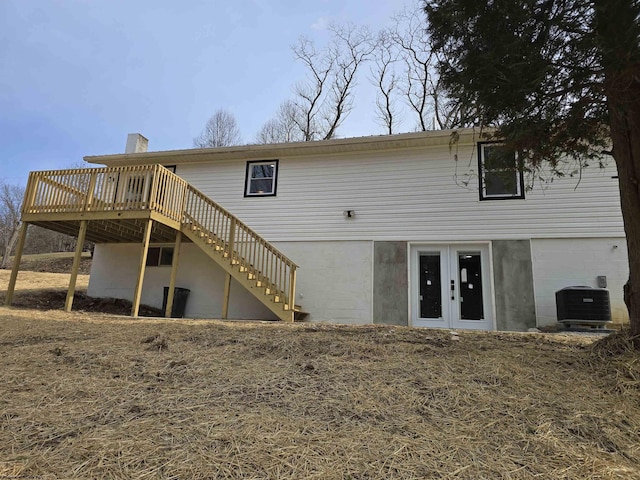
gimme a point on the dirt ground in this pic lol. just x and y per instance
(58, 262)
(87, 395)
(37, 287)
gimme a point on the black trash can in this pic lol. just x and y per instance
(180, 296)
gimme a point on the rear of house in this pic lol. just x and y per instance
(407, 229)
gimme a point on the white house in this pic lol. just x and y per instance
(410, 229)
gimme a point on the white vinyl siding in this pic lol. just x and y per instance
(410, 195)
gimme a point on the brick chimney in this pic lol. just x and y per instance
(136, 143)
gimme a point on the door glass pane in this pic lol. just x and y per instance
(470, 275)
(430, 286)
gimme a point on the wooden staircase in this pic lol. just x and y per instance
(252, 261)
(147, 203)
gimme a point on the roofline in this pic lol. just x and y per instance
(466, 136)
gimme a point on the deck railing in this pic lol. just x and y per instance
(153, 187)
(105, 189)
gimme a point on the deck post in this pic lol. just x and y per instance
(143, 262)
(30, 192)
(174, 271)
(76, 265)
(225, 300)
(16, 264)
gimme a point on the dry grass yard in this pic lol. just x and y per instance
(89, 395)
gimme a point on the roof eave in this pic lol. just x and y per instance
(282, 150)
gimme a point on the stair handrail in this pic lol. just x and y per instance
(242, 245)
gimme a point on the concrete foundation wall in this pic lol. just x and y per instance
(114, 274)
(390, 283)
(559, 263)
(334, 281)
(513, 282)
(360, 282)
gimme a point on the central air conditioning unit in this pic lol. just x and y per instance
(583, 305)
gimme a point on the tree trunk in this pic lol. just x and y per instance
(10, 245)
(625, 133)
(617, 34)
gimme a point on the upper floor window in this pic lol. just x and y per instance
(261, 178)
(500, 173)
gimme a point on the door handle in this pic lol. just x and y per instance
(453, 289)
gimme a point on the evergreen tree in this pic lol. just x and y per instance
(557, 78)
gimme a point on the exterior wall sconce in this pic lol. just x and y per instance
(349, 213)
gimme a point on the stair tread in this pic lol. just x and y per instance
(259, 285)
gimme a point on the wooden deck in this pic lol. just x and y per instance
(149, 204)
(118, 202)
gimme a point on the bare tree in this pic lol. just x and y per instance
(384, 76)
(270, 132)
(447, 112)
(41, 240)
(403, 67)
(351, 47)
(284, 127)
(309, 95)
(416, 55)
(221, 130)
(322, 102)
(10, 201)
(421, 86)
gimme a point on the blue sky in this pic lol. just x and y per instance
(76, 76)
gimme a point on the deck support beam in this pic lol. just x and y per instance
(16, 263)
(76, 265)
(137, 294)
(225, 300)
(174, 271)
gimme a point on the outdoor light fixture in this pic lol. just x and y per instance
(349, 213)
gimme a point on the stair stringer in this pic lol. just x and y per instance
(218, 256)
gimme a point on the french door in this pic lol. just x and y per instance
(451, 286)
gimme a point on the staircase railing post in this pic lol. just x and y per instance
(232, 236)
(292, 287)
(183, 202)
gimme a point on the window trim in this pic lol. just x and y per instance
(482, 189)
(160, 249)
(247, 178)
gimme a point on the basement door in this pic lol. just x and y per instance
(451, 287)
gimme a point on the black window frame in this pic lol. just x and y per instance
(481, 176)
(248, 178)
(158, 256)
